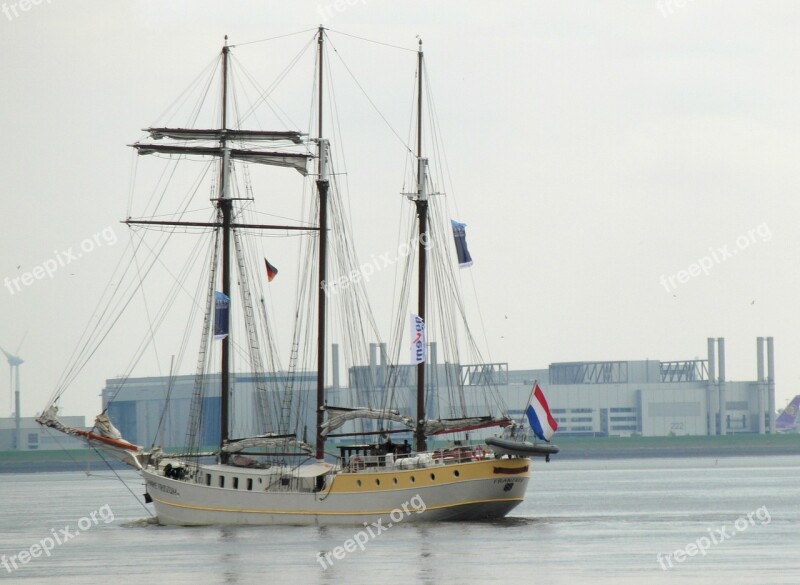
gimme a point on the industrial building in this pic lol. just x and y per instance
(26, 434)
(610, 398)
(620, 398)
(655, 398)
(136, 406)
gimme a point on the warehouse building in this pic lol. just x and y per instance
(610, 398)
(27, 435)
(655, 398)
(156, 410)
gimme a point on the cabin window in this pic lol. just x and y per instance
(208, 479)
(413, 479)
(221, 481)
(250, 484)
(236, 483)
(433, 476)
(456, 473)
(377, 482)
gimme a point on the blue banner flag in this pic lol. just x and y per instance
(460, 236)
(417, 339)
(222, 305)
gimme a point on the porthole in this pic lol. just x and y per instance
(433, 477)
(413, 479)
(358, 482)
(377, 482)
(456, 473)
(394, 480)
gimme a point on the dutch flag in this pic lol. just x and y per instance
(542, 422)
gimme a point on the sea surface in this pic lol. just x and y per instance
(728, 521)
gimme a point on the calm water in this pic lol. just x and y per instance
(591, 522)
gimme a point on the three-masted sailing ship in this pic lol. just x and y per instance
(279, 476)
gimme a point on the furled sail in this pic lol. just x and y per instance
(104, 427)
(454, 425)
(294, 160)
(238, 445)
(107, 437)
(337, 417)
(224, 134)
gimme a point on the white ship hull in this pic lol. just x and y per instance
(461, 491)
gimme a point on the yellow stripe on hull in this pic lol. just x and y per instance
(375, 481)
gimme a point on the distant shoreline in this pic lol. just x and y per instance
(700, 446)
(572, 448)
(52, 461)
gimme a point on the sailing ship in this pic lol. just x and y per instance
(277, 476)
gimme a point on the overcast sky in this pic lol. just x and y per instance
(627, 170)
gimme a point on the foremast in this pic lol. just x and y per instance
(224, 201)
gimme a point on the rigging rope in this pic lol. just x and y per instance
(371, 41)
(300, 32)
(372, 103)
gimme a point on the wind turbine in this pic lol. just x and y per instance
(14, 363)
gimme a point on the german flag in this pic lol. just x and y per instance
(272, 272)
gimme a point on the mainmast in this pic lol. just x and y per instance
(322, 187)
(225, 205)
(421, 202)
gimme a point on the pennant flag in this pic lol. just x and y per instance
(222, 304)
(417, 339)
(460, 236)
(542, 422)
(272, 272)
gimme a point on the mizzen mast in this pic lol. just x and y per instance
(225, 206)
(421, 202)
(322, 187)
